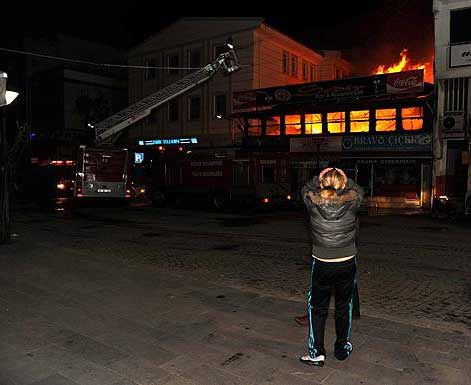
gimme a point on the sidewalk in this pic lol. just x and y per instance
(70, 318)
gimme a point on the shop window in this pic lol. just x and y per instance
(285, 65)
(412, 118)
(459, 25)
(273, 125)
(385, 119)
(313, 123)
(397, 180)
(255, 127)
(293, 124)
(294, 66)
(336, 122)
(268, 174)
(360, 121)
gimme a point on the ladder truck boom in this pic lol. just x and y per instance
(108, 128)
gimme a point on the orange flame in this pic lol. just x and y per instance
(405, 65)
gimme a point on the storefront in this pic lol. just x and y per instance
(378, 128)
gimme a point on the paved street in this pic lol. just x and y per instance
(159, 296)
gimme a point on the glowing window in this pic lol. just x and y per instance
(359, 121)
(293, 124)
(336, 122)
(412, 118)
(385, 119)
(313, 123)
(273, 125)
(255, 127)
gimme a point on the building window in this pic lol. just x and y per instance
(273, 125)
(313, 73)
(385, 119)
(194, 57)
(294, 66)
(336, 122)
(173, 61)
(220, 105)
(285, 65)
(412, 118)
(268, 173)
(194, 104)
(173, 110)
(255, 127)
(313, 123)
(460, 20)
(360, 121)
(305, 71)
(338, 73)
(149, 72)
(293, 124)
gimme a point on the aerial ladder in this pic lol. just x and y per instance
(102, 170)
(111, 127)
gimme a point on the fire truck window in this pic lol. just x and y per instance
(241, 173)
(268, 174)
(336, 122)
(273, 125)
(412, 118)
(313, 123)
(385, 119)
(293, 124)
(359, 121)
(255, 127)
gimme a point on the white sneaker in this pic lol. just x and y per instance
(316, 361)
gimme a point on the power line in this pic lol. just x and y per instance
(108, 65)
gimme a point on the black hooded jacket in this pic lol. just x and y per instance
(334, 223)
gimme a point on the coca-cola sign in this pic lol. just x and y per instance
(407, 81)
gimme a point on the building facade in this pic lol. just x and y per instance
(452, 168)
(64, 99)
(377, 128)
(268, 58)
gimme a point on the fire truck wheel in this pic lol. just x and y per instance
(158, 200)
(218, 201)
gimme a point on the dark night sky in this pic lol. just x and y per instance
(375, 31)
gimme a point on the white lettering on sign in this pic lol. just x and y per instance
(266, 161)
(460, 55)
(206, 173)
(210, 163)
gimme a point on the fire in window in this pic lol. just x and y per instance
(313, 123)
(385, 119)
(359, 121)
(273, 125)
(293, 124)
(412, 118)
(336, 122)
(255, 127)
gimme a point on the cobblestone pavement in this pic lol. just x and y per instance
(411, 269)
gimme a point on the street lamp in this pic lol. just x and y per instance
(6, 97)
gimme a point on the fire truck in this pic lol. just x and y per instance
(103, 170)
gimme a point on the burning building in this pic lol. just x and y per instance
(378, 128)
(452, 131)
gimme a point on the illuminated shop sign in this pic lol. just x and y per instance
(138, 157)
(394, 142)
(168, 141)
